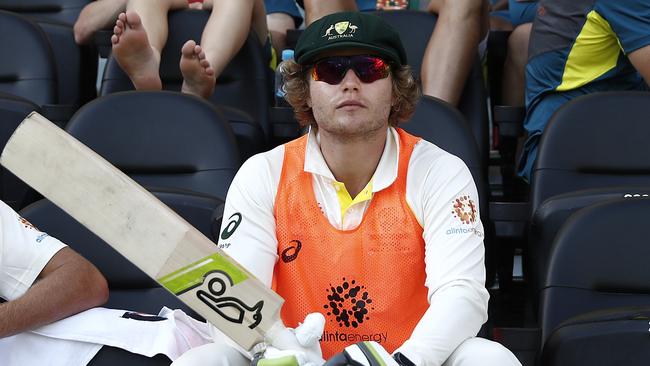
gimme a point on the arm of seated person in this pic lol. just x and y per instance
(640, 58)
(67, 285)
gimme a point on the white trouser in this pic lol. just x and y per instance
(472, 352)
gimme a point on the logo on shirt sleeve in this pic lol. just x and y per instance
(233, 223)
(464, 209)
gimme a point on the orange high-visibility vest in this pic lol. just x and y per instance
(369, 281)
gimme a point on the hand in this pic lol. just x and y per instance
(362, 353)
(300, 346)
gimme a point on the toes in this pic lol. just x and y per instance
(204, 63)
(133, 19)
(188, 48)
(114, 39)
(122, 17)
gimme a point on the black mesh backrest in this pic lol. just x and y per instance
(599, 260)
(27, 67)
(161, 139)
(12, 111)
(244, 84)
(594, 141)
(473, 103)
(66, 11)
(441, 124)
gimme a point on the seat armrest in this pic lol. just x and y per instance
(510, 120)
(510, 218)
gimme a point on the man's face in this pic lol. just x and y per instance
(351, 108)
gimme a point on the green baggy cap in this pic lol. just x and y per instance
(350, 30)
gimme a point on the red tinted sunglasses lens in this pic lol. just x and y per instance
(368, 68)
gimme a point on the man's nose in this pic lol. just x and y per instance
(350, 80)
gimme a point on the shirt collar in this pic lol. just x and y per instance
(385, 174)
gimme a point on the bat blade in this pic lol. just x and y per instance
(142, 229)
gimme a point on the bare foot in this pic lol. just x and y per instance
(133, 53)
(198, 75)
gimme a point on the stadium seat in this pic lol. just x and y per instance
(597, 281)
(64, 11)
(473, 101)
(244, 84)
(13, 110)
(129, 287)
(76, 65)
(594, 148)
(27, 66)
(45, 65)
(161, 139)
(441, 124)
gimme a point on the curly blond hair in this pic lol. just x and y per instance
(406, 93)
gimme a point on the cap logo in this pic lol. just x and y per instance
(344, 30)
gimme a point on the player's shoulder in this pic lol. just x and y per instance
(263, 163)
(429, 157)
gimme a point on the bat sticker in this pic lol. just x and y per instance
(228, 304)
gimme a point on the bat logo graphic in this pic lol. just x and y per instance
(230, 308)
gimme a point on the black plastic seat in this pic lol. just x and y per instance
(473, 101)
(13, 110)
(27, 65)
(243, 85)
(594, 148)
(441, 124)
(65, 11)
(161, 139)
(598, 265)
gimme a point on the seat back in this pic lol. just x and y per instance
(611, 337)
(161, 139)
(244, 84)
(441, 124)
(599, 261)
(76, 66)
(65, 11)
(549, 218)
(473, 101)
(594, 141)
(27, 66)
(13, 110)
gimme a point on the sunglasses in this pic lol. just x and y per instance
(333, 69)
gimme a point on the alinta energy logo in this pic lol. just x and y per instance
(464, 209)
(342, 29)
(348, 304)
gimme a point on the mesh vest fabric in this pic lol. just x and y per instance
(369, 282)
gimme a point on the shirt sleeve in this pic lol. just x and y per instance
(447, 205)
(248, 226)
(24, 252)
(630, 20)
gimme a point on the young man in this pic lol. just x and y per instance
(42, 280)
(353, 220)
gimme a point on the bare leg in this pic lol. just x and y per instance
(96, 15)
(140, 35)
(279, 23)
(232, 17)
(452, 48)
(316, 9)
(514, 67)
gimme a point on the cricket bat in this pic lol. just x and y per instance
(145, 231)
